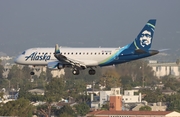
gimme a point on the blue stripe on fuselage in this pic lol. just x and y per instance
(124, 58)
(113, 58)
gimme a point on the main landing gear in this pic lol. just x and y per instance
(92, 72)
(76, 72)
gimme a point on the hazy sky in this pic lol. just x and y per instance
(92, 23)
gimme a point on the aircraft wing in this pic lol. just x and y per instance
(73, 62)
(62, 58)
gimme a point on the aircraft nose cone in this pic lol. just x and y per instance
(17, 60)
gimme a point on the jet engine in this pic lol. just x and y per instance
(55, 65)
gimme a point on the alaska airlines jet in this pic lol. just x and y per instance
(82, 58)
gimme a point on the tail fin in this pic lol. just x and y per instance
(144, 39)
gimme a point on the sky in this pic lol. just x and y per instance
(86, 23)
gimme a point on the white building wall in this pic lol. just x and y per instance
(129, 97)
(129, 92)
(104, 96)
(163, 69)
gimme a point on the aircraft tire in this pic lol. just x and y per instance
(92, 72)
(75, 72)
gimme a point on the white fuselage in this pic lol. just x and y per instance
(88, 56)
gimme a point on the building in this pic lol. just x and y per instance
(159, 106)
(130, 97)
(37, 91)
(103, 97)
(163, 69)
(115, 103)
(104, 113)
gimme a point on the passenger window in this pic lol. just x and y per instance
(87, 53)
(79, 53)
(72, 53)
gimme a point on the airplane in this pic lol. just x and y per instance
(82, 58)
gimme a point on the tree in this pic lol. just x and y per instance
(137, 71)
(20, 107)
(66, 109)
(82, 109)
(53, 93)
(105, 106)
(152, 95)
(173, 102)
(110, 79)
(145, 108)
(65, 115)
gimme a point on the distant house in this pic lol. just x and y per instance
(37, 91)
(13, 95)
(154, 106)
(10, 96)
(130, 97)
(168, 91)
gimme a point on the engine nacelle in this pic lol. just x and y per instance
(55, 65)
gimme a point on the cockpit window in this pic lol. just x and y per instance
(24, 52)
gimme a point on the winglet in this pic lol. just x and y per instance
(57, 51)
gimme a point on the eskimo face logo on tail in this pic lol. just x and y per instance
(38, 57)
(145, 38)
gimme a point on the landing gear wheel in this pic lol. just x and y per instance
(32, 73)
(75, 72)
(92, 72)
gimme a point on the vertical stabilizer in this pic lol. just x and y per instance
(144, 39)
